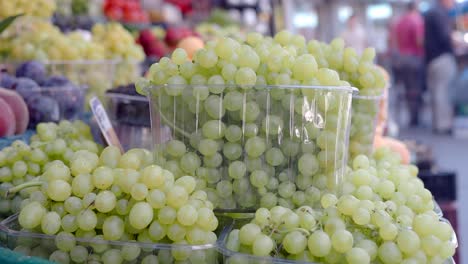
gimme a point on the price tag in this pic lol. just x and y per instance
(104, 123)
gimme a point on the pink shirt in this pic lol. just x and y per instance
(410, 34)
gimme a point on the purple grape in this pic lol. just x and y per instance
(33, 70)
(7, 80)
(42, 109)
(55, 81)
(26, 87)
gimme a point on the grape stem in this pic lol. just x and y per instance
(179, 130)
(23, 186)
(305, 231)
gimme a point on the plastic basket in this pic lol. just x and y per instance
(297, 134)
(42, 246)
(365, 110)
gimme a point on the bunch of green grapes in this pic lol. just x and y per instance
(361, 72)
(37, 8)
(118, 197)
(50, 148)
(120, 44)
(249, 142)
(383, 215)
(210, 31)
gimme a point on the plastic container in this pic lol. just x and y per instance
(231, 257)
(52, 104)
(298, 135)
(130, 117)
(40, 245)
(365, 110)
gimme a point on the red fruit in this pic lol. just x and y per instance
(19, 108)
(175, 34)
(157, 48)
(114, 13)
(146, 37)
(7, 120)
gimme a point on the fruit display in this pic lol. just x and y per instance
(242, 119)
(75, 191)
(36, 8)
(120, 44)
(50, 149)
(49, 98)
(110, 57)
(382, 215)
(128, 11)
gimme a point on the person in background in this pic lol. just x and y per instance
(409, 38)
(355, 35)
(440, 63)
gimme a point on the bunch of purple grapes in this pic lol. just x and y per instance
(50, 98)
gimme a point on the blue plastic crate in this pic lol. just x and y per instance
(6, 141)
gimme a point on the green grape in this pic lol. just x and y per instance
(31, 215)
(105, 201)
(141, 215)
(112, 256)
(389, 253)
(262, 245)
(319, 244)
(69, 223)
(78, 254)
(237, 169)
(248, 233)
(82, 184)
(50, 223)
(102, 178)
(294, 242)
(58, 190)
(342, 241)
(357, 255)
(86, 220)
(255, 147)
(65, 241)
(59, 257)
(139, 191)
(113, 228)
(152, 176)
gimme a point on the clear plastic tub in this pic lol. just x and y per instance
(365, 111)
(130, 117)
(40, 245)
(298, 135)
(233, 257)
(52, 104)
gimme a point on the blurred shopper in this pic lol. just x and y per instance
(355, 35)
(408, 37)
(440, 61)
